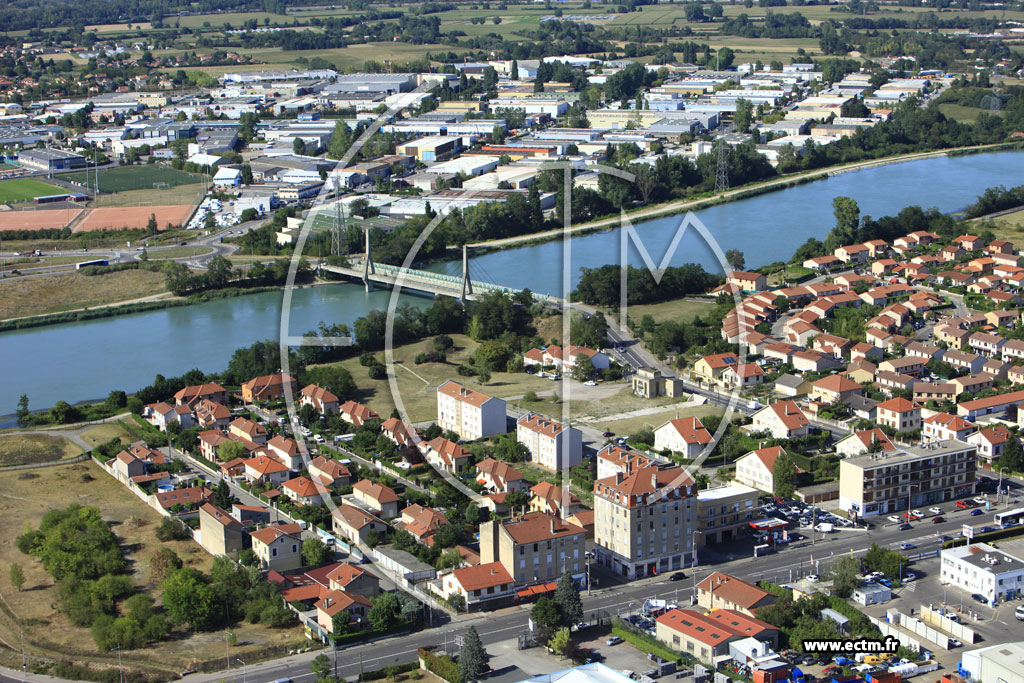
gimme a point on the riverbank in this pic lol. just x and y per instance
(747, 191)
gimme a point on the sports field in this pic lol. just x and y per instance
(129, 217)
(24, 189)
(41, 219)
(123, 178)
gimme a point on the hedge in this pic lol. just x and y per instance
(998, 534)
(645, 642)
(389, 670)
(442, 666)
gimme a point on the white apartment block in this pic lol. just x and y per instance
(551, 445)
(470, 414)
(644, 521)
(978, 568)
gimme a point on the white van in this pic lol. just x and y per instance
(1019, 613)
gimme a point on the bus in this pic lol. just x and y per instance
(1009, 518)
(96, 262)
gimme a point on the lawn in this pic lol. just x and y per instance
(962, 114)
(121, 178)
(178, 252)
(678, 311)
(23, 449)
(630, 425)
(1009, 227)
(23, 297)
(25, 497)
(25, 189)
(105, 432)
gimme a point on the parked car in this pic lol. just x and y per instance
(678, 576)
(614, 640)
(979, 500)
(963, 504)
(909, 576)
(978, 597)
(916, 514)
(894, 519)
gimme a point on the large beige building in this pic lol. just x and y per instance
(552, 446)
(644, 521)
(916, 476)
(534, 548)
(219, 532)
(469, 413)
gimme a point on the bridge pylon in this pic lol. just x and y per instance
(368, 269)
(467, 284)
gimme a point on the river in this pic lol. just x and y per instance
(86, 360)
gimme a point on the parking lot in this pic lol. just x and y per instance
(510, 664)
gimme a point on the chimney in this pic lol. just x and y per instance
(552, 524)
(618, 477)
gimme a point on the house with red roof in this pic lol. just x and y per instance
(353, 578)
(191, 395)
(499, 477)
(265, 470)
(720, 591)
(320, 399)
(278, 546)
(304, 491)
(329, 472)
(990, 442)
(354, 524)
(900, 414)
(782, 419)
(162, 414)
(422, 522)
(707, 637)
(483, 585)
(447, 455)
(380, 499)
(684, 435)
(356, 413)
(335, 602)
(756, 468)
(286, 451)
(554, 500)
(247, 429)
(865, 441)
(212, 415)
(268, 387)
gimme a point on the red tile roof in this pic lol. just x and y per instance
(482, 576)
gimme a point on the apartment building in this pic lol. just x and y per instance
(613, 459)
(552, 446)
(534, 548)
(911, 477)
(469, 413)
(644, 521)
(220, 533)
(724, 513)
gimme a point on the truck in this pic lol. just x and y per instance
(824, 528)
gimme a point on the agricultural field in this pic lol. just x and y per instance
(121, 178)
(24, 449)
(27, 496)
(21, 297)
(25, 189)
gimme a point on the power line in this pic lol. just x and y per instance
(722, 176)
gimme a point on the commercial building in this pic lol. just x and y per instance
(644, 521)
(999, 663)
(50, 160)
(916, 476)
(724, 513)
(552, 445)
(534, 548)
(980, 569)
(469, 413)
(706, 637)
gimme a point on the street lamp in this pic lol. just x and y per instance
(239, 659)
(120, 670)
(588, 555)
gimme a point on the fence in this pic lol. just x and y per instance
(54, 463)
(940, 620)
(919, 628)
(890, 630)
(330, 538)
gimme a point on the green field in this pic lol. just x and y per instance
(24, 189)
(962, 114)
(123, 178)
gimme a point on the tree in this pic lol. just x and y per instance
(546, 618)
(299, 146)
(744, 115)
(567, 597)
(321, 667)
(582, 368)
(845, 576)
(784, 476)
(516, 499)
(17, 577)
(229, 450)
(498, 135)
(1012, 459)
(163, 562)
(560, 641)
(472, 657)
(222, 495)
(23, 411)
(189, 600)
(847, 214)
(736, 259)
(151, 224)
(340, 622)
(314, 552)
(384, 614)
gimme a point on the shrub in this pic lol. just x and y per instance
(172, 529)
(441, 665)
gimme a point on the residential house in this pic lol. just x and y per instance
(684, 435)
(707, 638)
(613, 459)
(756, 468)
(554, 500)
(162, 414)
(356, 413)
(972, 384)
(244, 428)
(907, 365)
(191, 395)
(835, 388)
(321, 400)
(485, 584)
(710, 368)
(447, 455)
(265, 470)
(990, 442)
(792, 386)
(899, 414)
(329, 472)
(986, 344)
(355, 525)
(723, 591)
(400, 432)
(422, 522)
(354, 579)
(380, 499)
(743, 376)
(813, 361)
(865, 441)
(286, 451)
(182, 501)
(782, 419)
(212, 415)
(334, 602)
(219, 532)
(499, 477)
(278, 546)
(304, 491)
(564, 358)
(552, 446)
(268, 387)
(854, 253)
(746, 282)
(943, 427)
(469, 413)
